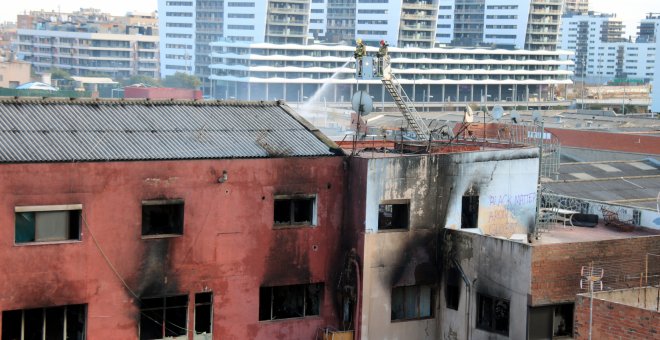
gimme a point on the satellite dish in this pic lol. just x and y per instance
(468, 117)
(536, 116)
(515, 117)
(498, 112)
(362, 103)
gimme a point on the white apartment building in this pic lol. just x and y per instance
(602, 54)
(82, 53)
(266, 71)
(527, 24)
(176, 21)
(655, 95)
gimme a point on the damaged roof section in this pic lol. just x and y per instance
(60, 130)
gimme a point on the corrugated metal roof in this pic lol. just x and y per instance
(57, 130)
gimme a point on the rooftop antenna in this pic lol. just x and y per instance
(591, 277)
(515, 117)
(498, 112)
(362, 104)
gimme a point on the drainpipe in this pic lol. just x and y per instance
(357, 300)
(468, 285)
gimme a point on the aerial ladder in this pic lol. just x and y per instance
(382, 69)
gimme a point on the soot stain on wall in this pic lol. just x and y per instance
(418, 263)
(286, 262)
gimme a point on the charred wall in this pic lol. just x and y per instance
(229, 244)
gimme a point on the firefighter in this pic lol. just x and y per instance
(382, 56)
(360, 52)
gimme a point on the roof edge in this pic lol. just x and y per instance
(334, 148)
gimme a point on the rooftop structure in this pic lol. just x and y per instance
(154, 130)
(576, 6)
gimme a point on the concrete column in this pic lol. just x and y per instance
(499, 88)
(267, 96)
(443, 93)
(472, 92)
(249, 88)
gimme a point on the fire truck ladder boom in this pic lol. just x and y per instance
(405, 105)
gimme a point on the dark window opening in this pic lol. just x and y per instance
(452, 288)
(47, 226)
(285, 302)
(162, 218)
(203, 313)
(470, 212)
(412, 303)
(562, 324)
(493, 314)
(393, 216)
(64, 322)
(294, 210)
(163, 316)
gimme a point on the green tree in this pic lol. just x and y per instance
(58, 73)
(182, 80)
(141, 79)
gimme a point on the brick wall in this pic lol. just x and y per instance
(556, 267)
(615, 321)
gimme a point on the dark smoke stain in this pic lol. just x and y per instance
(155, 276)
(288, 259)
(418, 264)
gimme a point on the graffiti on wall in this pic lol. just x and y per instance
(512, 200)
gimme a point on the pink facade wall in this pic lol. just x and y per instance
(228, 246)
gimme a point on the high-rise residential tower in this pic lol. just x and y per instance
(576, 6)
(188, 26)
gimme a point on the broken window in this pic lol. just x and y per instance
(295, 210)
(470, 212)
(163, 316)
(492, 314)
(549, 322)
(162, 218)
(393, 215)
(562, 324)
(452, 288)
(47, 223)
(63, 322)
(412, 302)
(295, 301)
(203, 313)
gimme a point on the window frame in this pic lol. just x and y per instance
(292, 198)
(305, 287)
(45, 209)
(491, 327)
(476, 201)
(163, 309)
(66, 320)
(162, 202)
(418, 288)
(200, 304)
(392, 203)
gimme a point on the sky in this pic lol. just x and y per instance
(630, 11)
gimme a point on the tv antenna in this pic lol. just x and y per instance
(591, 278)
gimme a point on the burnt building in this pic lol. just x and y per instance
(147, 219)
